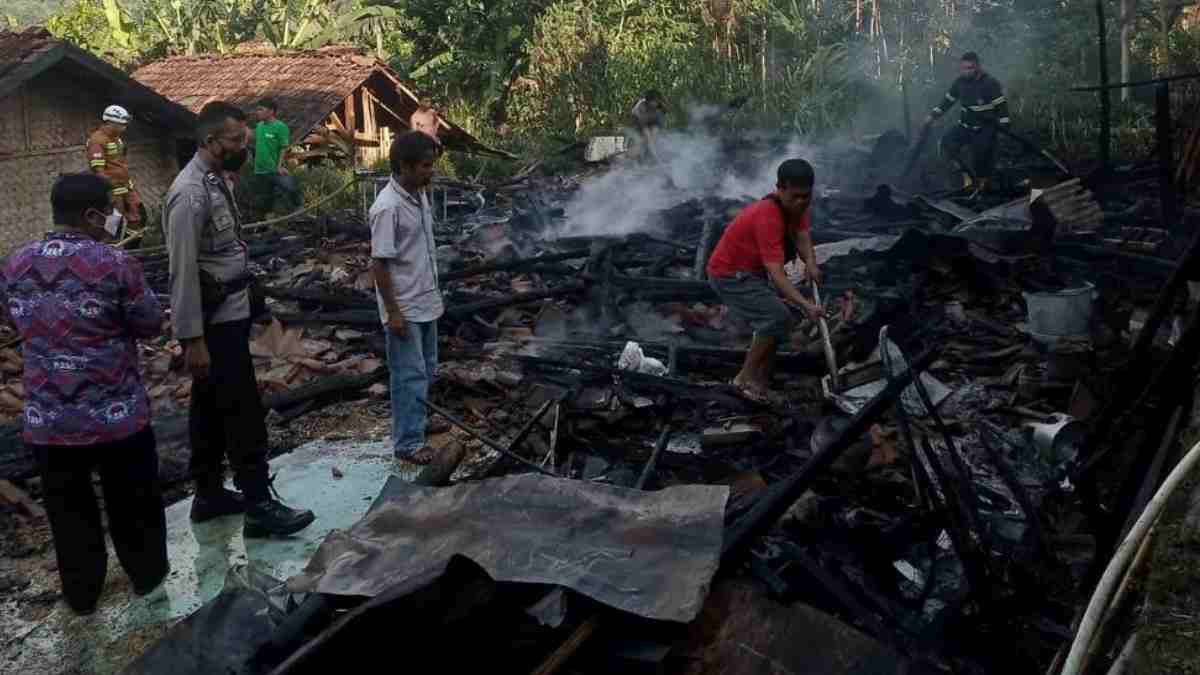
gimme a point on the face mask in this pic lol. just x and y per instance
(233, 161)
(114, 224)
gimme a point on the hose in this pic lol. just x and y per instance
(249, 226)
(1120, 560)
(1125, 657)
(319, 203)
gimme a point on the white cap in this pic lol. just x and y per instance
(116, 114)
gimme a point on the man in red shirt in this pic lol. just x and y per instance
(749, 259)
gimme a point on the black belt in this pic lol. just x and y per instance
(214, 293)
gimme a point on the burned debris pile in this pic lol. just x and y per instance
(949, 491)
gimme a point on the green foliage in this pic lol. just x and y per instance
(84, 23)
(536, 75)
(318, 182)
(18, 14)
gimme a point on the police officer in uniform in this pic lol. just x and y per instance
(210, 313)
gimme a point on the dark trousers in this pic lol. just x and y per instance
(271, 189)
(981, 144)
(227, 417)
(132, 497)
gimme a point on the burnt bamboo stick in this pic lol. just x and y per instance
(465, 311)
(451, 418)
(511, 265)
(653, 461)
(771, 506)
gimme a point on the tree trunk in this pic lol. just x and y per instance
(1169, 12)
(764, 64)
(1128, 16)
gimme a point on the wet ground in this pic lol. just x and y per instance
(41, 635)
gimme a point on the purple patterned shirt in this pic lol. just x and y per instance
(80, 307)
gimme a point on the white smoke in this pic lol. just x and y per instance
(692, 164)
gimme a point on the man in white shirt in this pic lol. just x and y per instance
(404, 267)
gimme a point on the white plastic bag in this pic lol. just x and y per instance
(632, 358)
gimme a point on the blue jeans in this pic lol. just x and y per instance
(412, 362)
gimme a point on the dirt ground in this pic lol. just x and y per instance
(26, 546)
(1170, 620)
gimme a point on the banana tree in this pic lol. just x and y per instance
(196, 26)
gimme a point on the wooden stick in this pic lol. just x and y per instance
(830, 357)
(488, 442)
(19, 498)
(567, 649)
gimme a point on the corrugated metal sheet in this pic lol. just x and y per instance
(648, 553)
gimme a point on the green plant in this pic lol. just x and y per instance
(317, 183)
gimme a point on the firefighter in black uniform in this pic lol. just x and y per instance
(984, 110)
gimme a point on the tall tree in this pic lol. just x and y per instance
(1127, 23)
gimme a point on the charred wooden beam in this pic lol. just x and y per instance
(461, 312)
(1163, 136)
(349, 317)
(331, 386)
(451, 418)
(959, 516)
(1133, 375)
(653, 461)
(877, 621)
(512, 265)
(636, 380)
(324, 298)
(523, 434)
(779, 498)
(1145, 264)
(1032, 515)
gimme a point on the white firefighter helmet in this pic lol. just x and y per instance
(116, 114)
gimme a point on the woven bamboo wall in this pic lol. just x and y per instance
(44, 127)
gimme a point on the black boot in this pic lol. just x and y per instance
(271, 517)
(265, 514)
(209, 504)
(152, 583)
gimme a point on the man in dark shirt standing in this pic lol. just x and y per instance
(984, 110)
(80, 307)
(749, 260)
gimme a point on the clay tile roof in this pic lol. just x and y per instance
(30, 53)
(24, 48)
(307, 85)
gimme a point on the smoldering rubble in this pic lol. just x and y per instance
(932, 507)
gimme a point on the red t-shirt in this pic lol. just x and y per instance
(753, 239)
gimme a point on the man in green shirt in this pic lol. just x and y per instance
(272, 183)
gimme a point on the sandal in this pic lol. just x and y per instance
(752, 394)
(421, 456)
